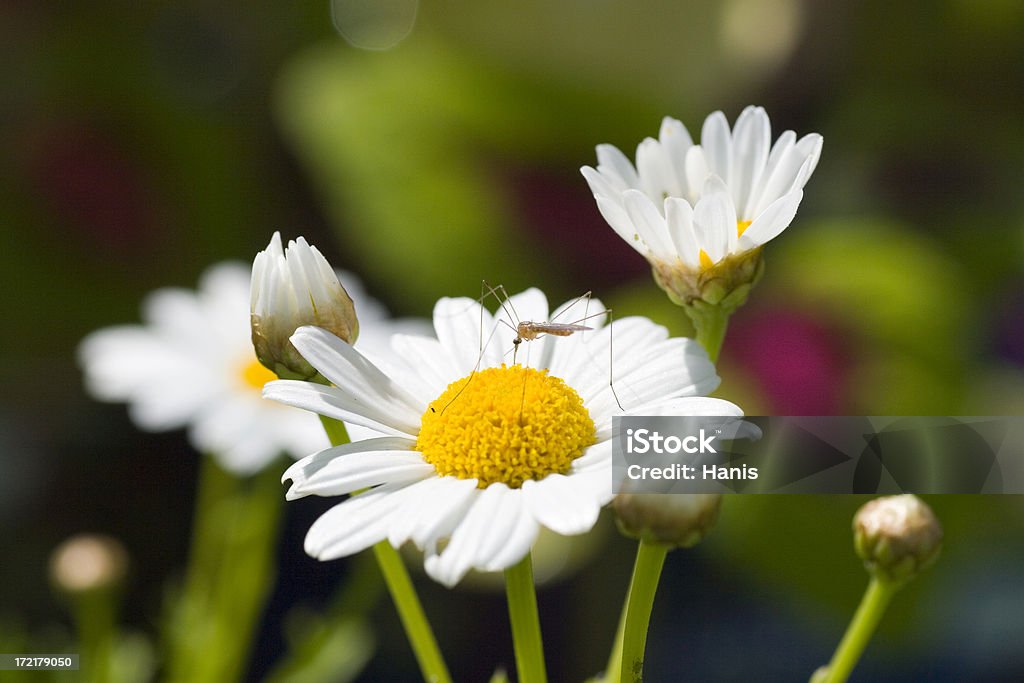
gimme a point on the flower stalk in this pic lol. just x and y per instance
(522, 612)
(627, 656)
(865, 621)
(711, 323)
(231, 569)
(403, 593)
(650, 558)
(897, 537)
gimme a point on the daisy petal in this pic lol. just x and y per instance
(810, 146)
(772, 221)
(529, 305)
(714, 222)
(676, 142)
(716, 141)
(692, 405)
(427, 360)
(615, 215)
(177, 316)
(433, 512)
(354, 375)
(679, 217)
(657, 178)
(333, 402)
(599, 183)
(788, 170)
(751, 140)
(355, 524)
(556, 503)
(649, 223)
(516, 544)
(457, 323)
(697, 171)
(359, 470)
(459, 556)
(611, 161)
(504, 521)
(598, 455)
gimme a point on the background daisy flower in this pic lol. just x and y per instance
(698, 204)
(479, 455)
(192, 364)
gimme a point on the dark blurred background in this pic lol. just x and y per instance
(144, 141)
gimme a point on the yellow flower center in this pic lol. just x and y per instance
(506, 424)
(254, 375)
(705, 261)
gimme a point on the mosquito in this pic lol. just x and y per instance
(529, 330)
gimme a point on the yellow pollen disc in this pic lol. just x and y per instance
(254, 375)
(705, 260)
(741, 227)
(506, 424)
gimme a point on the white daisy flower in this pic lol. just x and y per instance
(192, 364)
(478, 455)
(690, 207)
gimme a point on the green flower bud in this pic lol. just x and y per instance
(290, 288)
(673, 519)
(897, 537)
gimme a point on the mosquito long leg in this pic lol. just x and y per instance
(611, 361)
(483, 345)
(576, 327)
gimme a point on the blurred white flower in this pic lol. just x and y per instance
(477, 456)
(694, 205)
(192, 364)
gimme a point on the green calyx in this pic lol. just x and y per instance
(724, 285)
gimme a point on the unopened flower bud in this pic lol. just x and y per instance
(290, 288)
(897, 536)
(87, 563)
(673, 519)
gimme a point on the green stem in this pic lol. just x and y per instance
(335, 430)
(95, 617)
(410, 611)
(650, 558)
(231, 569)
(710, 323)
(403, 593)
(522, 613)
(869, 613)
(626, 660)
(614, 666)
